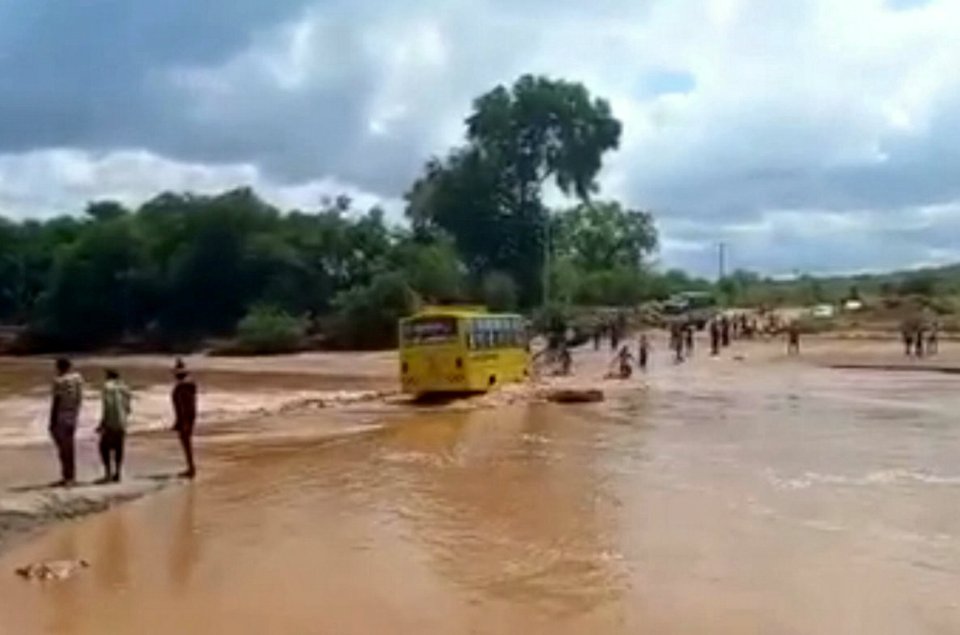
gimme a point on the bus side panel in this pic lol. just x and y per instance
(494, 367)
(481, 367)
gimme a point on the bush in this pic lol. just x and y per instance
(433, 270)
(614, 287)
(366, 317)
(921, 284)
(499, 292)
(267, 330)
(552, 319)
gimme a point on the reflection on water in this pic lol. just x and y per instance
(807, 501)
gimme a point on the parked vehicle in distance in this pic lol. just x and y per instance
(823, 311)
(691, 307)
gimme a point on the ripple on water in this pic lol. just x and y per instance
(873, 478)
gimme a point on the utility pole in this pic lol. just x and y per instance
(546, 258)
(721, 260)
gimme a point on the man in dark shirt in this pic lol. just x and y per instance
(184, 399)
(793, 339)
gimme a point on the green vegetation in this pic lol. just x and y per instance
(267, 330)
(183, 268)
(933, 287)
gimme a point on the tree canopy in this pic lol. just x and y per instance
(599, 236)
(488, 194)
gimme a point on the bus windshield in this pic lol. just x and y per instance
(429, 330)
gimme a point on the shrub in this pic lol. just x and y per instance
(614, 287)
(268, 330)
(552, 319)
(499, 291)
(366, 317)
(921, 284)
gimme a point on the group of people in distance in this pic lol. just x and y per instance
(919, 341)
(116, 406)
(722, 329)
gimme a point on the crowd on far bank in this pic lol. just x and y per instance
(722, 329)
(116, 405)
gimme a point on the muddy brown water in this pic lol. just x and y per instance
(717, 500)
(230, 388)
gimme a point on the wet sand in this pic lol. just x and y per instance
(750, 495)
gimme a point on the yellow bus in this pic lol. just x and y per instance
(461, 349)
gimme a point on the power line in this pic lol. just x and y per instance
(721, 260)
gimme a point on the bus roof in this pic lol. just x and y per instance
(458, 311)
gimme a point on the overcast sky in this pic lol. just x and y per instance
(813, 135)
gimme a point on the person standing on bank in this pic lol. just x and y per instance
(66, 399)
(184, 397)
(113, 426)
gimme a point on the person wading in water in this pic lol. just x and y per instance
(67, 397)
(714, 337)
(933, 339)
(643, 352)
(676, 343)
(907, 340)
(725, 331)
(113, 426)
(624, 361)
(184, 399)
(793, 339)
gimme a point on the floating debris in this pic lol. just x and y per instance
(574, 395)
(55, 570)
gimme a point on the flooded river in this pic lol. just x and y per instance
(717, 500)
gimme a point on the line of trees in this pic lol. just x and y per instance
(182, 268)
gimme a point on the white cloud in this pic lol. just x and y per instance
(47, 183)
(777, 126)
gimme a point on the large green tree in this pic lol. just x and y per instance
(599, 236)
(489, 194)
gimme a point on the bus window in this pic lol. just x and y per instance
(480, 333)
(476, 330)
(430, 330)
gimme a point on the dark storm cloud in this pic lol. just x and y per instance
(80, 72)
(738, 114)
